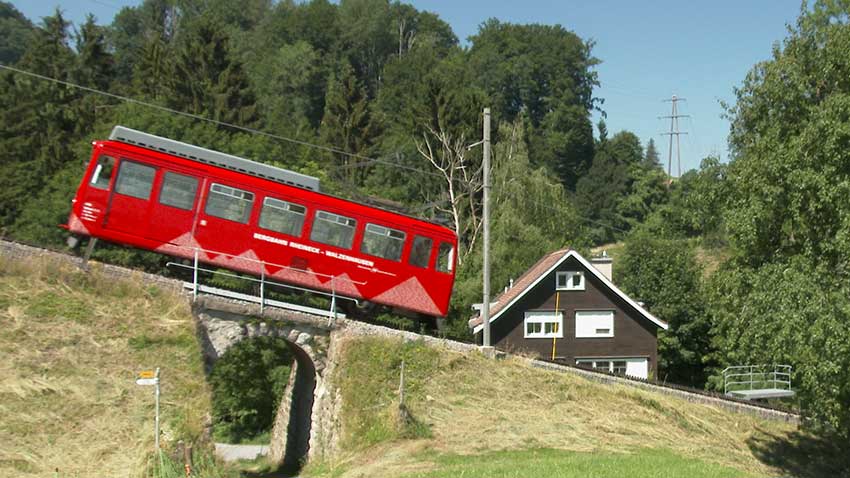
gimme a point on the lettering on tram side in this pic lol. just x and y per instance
(348, 258)
(361, 263)
(275, 240)
(304, 247)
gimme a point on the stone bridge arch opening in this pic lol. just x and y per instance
(292, 427)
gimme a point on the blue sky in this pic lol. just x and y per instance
(649, 51)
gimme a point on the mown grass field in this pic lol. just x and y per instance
(473, 417)
(71, 344)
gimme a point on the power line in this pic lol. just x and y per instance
(516, 195)
(217, 122)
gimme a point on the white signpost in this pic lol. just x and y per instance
(151, 377)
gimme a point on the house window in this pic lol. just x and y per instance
(618, 367)
(634, 367)
(594, 323)
(544, 324)
(569, 280)
(611, 366)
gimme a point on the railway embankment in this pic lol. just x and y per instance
(75, 341)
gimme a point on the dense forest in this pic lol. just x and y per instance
(747, 261)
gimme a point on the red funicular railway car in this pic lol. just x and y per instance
(171, 197)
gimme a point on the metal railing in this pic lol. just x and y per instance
(756, 377)
(262, 280)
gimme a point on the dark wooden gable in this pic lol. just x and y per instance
(634, 334)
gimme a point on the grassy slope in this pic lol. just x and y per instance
(526, 422)
(70, 347)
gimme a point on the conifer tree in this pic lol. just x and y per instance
(36, 117)
(651, 159)
(208, 80)
(94, 61)
(347, 122)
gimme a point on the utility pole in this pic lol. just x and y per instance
(485, 307)
(674, 131)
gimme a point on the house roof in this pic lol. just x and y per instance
(548, 263)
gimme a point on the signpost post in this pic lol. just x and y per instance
(151, 377)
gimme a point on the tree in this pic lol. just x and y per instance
(462, 182)
(377, 30)
(247, 384)
(544, 74)
(347, 123)
(791, 173)
(15, 33)
(143, 34)
(37, 118)
(665, 276)
(602, 127)
(291, 84)
(423, 91)
(94, 62)
(208, 80)
(783, 295)
(531, 216)
(600, 193)
(789, 312)
(694, 205)
(646, 181)
(651, 159)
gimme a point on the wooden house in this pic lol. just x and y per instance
(566, 308)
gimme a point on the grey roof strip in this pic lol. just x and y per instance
(214, 158)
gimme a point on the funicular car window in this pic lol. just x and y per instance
(102, 172)
(135, 179)
(382, 242)
(420, 253)
(333, 229)
(229, 203)
(178, 190)
(282, 216)
(445, 257)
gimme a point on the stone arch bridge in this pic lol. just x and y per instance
(305, 426)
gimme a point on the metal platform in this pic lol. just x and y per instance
(214, 158)
(757, 382)
(763, 393)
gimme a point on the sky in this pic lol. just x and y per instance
(649, 51)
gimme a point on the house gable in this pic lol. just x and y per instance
(542, 275)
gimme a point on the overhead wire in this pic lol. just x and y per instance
(225, 124)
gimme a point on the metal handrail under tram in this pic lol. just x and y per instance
(197, 287)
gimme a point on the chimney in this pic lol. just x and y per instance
(603, 264)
